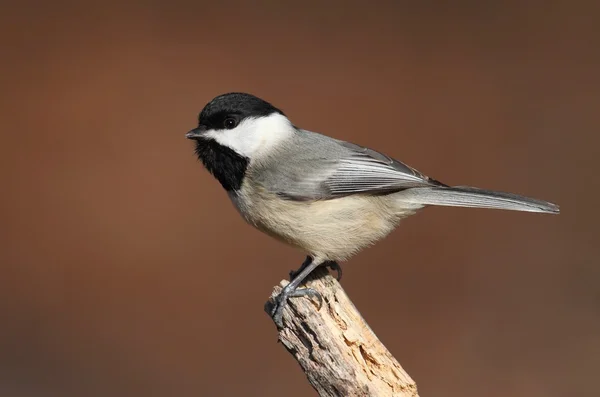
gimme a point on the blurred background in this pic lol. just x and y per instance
(125, 270)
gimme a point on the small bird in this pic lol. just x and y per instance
(328, 197)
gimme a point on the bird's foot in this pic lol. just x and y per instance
(281, 301)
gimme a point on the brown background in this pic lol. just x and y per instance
(125, 271)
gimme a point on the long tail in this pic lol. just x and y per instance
(464, 196)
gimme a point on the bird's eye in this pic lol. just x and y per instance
(230, 123)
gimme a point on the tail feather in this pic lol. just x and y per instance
(464, 196)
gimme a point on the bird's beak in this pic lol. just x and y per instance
(196, 133)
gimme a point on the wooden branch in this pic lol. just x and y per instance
(336, 348)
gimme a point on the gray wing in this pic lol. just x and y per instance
(336, 168)
(364, 170)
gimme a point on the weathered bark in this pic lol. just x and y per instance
(336, 348)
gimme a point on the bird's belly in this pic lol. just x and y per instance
(332, 229)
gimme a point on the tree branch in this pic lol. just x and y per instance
(336, 348)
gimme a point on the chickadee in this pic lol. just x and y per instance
(325, 196)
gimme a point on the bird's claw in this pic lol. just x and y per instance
(281, 301)
(334, 266)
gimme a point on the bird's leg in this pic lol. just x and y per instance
(333, 265)
(291, 291)
(294, 273)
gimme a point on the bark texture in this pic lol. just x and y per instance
(336, 348)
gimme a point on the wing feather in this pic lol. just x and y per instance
(334, 168)
(366, 171)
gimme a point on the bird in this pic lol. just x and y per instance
(325, 196)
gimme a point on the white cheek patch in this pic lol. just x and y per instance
(239, 139)
(254, 137)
